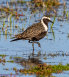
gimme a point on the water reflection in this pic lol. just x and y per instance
(23, 64)
(30, 63)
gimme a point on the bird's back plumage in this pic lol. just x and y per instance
(35, 32)
(32, 33)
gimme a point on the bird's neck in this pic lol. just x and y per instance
(45, 25)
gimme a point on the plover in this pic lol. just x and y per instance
(35, 32)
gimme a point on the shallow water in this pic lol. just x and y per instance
(52, 51)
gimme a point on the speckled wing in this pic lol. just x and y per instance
(31, 32)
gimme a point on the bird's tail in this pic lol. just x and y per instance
(14, 40)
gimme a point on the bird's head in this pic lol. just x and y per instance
(45, 20)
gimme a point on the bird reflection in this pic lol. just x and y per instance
(29, 62)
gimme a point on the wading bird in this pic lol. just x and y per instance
(35, 32)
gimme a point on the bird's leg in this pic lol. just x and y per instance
(35, 42)
(32, 45)
(38, 44)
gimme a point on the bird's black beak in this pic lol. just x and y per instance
(51, 21)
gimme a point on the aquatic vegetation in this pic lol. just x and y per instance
(8, 11)
(15, 68)
(67, 15)
(2, 60)
(21, 1)
(68, 35)
(50, 5)
(48, 2)
(2, 55)
(13, 12)
(53, 22)
(44, 69)
(13, 22)
(11, 61)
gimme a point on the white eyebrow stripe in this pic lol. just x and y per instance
(46, 18)
(44, 25)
